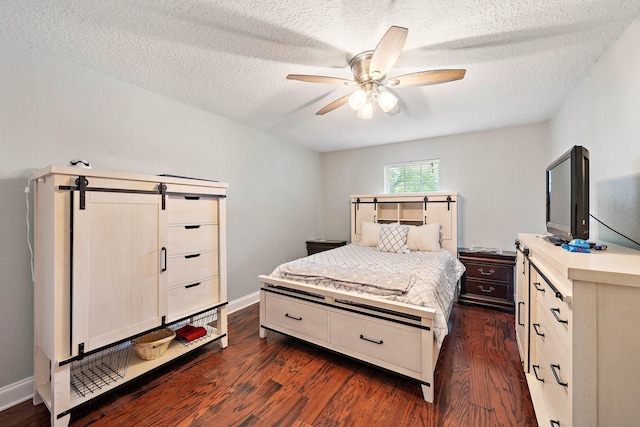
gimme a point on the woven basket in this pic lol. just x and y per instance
(154, 344)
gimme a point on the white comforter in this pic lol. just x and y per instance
(436, 275)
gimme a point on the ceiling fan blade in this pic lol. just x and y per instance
(320, 79)
(335, 104)
(424, 78)
(387, 51)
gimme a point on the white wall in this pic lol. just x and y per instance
(603, 114)
(53, 111)
(499, 175)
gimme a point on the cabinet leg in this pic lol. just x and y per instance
(224, 342)
(263, 332)
(427, 392)
(60, 422)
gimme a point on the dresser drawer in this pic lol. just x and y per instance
(192, 267)
(487, 289)
(192, 239)
(192, 210)
(555, 352)
(186, 299)
(555, 396)
(385, 341)
(554, 313)
(297, 317)
(484, 271)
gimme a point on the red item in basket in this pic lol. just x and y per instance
(190, 333)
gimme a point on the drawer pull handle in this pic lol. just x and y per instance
(486, 274)
(191, 227)
(192, 256)
(555, 312)
(292, 317)
(519, 304)
(192, 197)
(491, 289)
(535, 372)
(163, 251)
(538, 287)
(535, 326)
(193, 285)
(555, 423)
(555, 374)
(362, 337)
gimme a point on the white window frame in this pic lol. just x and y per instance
(417, 186)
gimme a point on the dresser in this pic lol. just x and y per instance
(576, 327)
(488, 280)
(117, 256)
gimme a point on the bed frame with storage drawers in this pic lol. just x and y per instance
(388, 334)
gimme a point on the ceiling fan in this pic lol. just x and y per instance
(370, 69)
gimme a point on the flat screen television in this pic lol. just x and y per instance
(568, 196)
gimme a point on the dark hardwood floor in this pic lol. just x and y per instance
(284, 382)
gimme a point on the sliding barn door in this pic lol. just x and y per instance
(118, 288)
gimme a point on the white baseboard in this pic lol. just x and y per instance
(16, 393)
(244, 302)
(22, 390)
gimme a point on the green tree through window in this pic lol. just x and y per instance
(412, 177)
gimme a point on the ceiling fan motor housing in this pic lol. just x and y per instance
(360, 66)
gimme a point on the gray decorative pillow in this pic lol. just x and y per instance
(393, 239)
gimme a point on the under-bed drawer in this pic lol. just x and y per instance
(296, 317)
(386, 341)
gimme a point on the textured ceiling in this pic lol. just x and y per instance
(231, 57)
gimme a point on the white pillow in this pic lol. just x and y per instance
(369, 233)
(393, 239)
(424, 238)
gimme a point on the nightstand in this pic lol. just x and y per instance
(488, 280)
(320, 245)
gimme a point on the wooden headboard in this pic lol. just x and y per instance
(409, 209)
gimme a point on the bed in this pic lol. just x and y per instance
(385, 298)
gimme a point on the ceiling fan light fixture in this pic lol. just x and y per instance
(386, 101)
(358, 99)
(366, 112)
(370, 68)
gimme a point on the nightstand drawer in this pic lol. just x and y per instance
(485, 271)
(321, 245)
(489, 278)
(487, 289)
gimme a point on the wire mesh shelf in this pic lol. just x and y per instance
(206, 320)
(103, 368)
(98, 370)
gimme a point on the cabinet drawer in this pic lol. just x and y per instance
(192, 267)
(499, 273)
(487, 289)
(385, 341)
(555, 396)
(186, 299)
(296, 317)
(192, 239)
(192, 210)
(556, 314)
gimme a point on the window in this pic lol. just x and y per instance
(412, 177)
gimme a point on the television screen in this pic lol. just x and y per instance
(568, 196)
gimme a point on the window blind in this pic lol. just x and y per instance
(412, 177)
